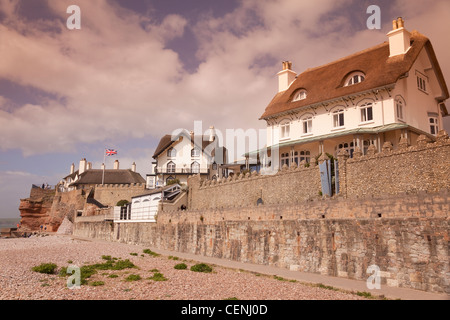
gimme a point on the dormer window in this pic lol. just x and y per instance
(354, 78)
(299, 95)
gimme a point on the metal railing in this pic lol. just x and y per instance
(181, 170)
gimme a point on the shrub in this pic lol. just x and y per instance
(150, 252)
(123, 264)
(121, 203)
(173, 181)
(97, 283)
(201, 267)
(158, 277)
(107, 258)
(113, 275)
(180, 266)
(47, 268)
(133, 277)
(133, 254)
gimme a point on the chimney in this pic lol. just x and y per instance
(399, 38)
(72, 168)
(285, 76)
(102, 166)
(82, 166)
(116, 165)
(89, 166)
(212, 134)
(133, 167)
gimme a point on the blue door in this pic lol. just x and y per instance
(325, 177)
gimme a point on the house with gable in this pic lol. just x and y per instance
(185, 154)
(384, 95)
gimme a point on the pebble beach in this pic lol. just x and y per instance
(19, 282)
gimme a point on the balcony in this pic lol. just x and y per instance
(164, 170)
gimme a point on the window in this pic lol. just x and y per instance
(366, 112)
(434, 124)
(355, 78)
(338, 118)
(195, 167)
(305, 155)
(349, 147)
(300, 95)
(195, 152)
(399, 109)
(285, 159)
(366, 145)
(171, 167)
(285, 130)
(214, 166)
(421, 83)
(307, 125)
(295, 157)
(171, 153)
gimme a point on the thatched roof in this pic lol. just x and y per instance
(326, 82)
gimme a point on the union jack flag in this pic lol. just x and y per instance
(111, 152)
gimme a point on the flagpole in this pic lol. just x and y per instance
(104, 165)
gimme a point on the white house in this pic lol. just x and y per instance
(385, 93)
(183, 155)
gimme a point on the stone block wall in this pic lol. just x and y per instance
(409, 169)
(288, 186)
(110, 194)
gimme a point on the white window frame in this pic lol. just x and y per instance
(284, 157)
(305, 155)
(300, 95)
(399, 109)
(171, 153)
(421, 82)
(355, 78)
(307, 125)
(433, 122)
(195, 152)
(364, 112)
(337, 119)
(195, 167)
(285, 128)
(171, 167)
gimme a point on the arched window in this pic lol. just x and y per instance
(195, 152)
(172, 153)
(195, 167)
(295, 157)
(299, 95)
(338, 118)
(285, 159)
(349, 147)
(354, 78)
(171, 167)
(285, 128)
(366, 112)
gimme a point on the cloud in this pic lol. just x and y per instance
(116, 79)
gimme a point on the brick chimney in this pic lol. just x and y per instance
(116, 165)
(399, 38)
(82, 166)
(285, 76)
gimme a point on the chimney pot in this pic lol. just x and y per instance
(133, 167)
(394, 25)
(285, 76)
(400, 22)
(72, 168)
(116, 165)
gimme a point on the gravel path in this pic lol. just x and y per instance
(17, 281)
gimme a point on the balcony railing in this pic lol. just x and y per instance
(181, 171)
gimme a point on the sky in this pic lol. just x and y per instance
(139, 69)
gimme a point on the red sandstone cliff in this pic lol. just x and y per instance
(35, 210)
